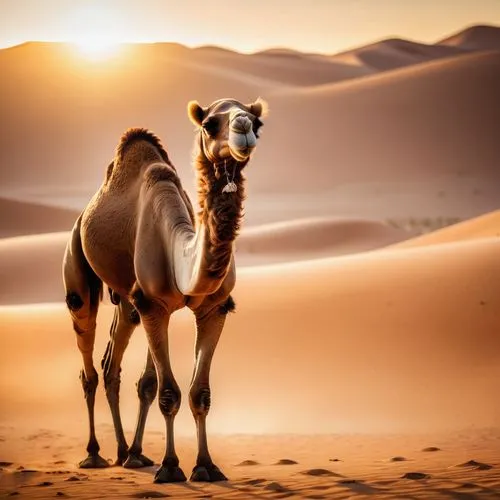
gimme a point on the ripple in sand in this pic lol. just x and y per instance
(320, 473)
(475, 465)
(430, 449)
(149, 494)
(286, 461)
(247, 463)
(254, 482)
(468, 486)
(73, 478)
(415, 476)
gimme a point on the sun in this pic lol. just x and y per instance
(97, 49)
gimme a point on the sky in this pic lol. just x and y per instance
(326, 26)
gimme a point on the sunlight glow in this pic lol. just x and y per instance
(96, 30)
(97, 49)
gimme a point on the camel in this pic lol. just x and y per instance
(140, 237)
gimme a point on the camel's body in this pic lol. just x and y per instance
(139, 236)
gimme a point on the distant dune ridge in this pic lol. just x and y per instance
(21, 218)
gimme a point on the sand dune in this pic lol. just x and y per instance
(395, 53)
(412, 124)
(390, 340)
(486, 226)
(418, 123)
(306, 239)
(30, 267)
(19, 217)
(37, 259)
(475, 38)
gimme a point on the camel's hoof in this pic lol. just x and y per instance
(207, 474)
(93, 462)
(169, 474)
(136, 462)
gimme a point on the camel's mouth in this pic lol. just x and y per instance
(241, 154)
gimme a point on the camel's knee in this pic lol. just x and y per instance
(169, 399)
(140, 302)
(147, 387)
(84, 319)
(112, 384)
(199, 400)
(74, 301)
(89, 382)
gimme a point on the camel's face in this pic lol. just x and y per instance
(229, 129)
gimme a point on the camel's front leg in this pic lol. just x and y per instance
(155, 319)
(208, 329)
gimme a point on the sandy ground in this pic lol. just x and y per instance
(465, 465)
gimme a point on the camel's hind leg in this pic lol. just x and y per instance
(124, 322)
(83, 292)
(147, 386)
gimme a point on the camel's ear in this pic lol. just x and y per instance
(195, 112)
(259, 108)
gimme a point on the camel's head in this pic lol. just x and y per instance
(229, 129)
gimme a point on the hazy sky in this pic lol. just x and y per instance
(309, 25)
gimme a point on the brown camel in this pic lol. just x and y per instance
(140, 237)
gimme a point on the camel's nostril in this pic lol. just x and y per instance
(241, 125)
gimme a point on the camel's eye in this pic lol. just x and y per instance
(211, 126)
(257, 123)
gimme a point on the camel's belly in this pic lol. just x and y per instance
(108, 235)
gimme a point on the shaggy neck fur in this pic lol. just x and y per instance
(220, 213)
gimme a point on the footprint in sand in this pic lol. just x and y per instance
(45, 483)
(335, 460)
(431, 449)
(398, 459)
(475, 465)
(286, 461)
(13, 493)
(60, 494)
(73, 478)
(320, 473)
(247, 463)
(276, 487)
(5, 464)
(149, 494)
(415, 476)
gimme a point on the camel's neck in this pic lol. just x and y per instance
(209, 253)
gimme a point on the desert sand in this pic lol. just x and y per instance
(357, 343)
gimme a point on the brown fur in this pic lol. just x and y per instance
(133, 135)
